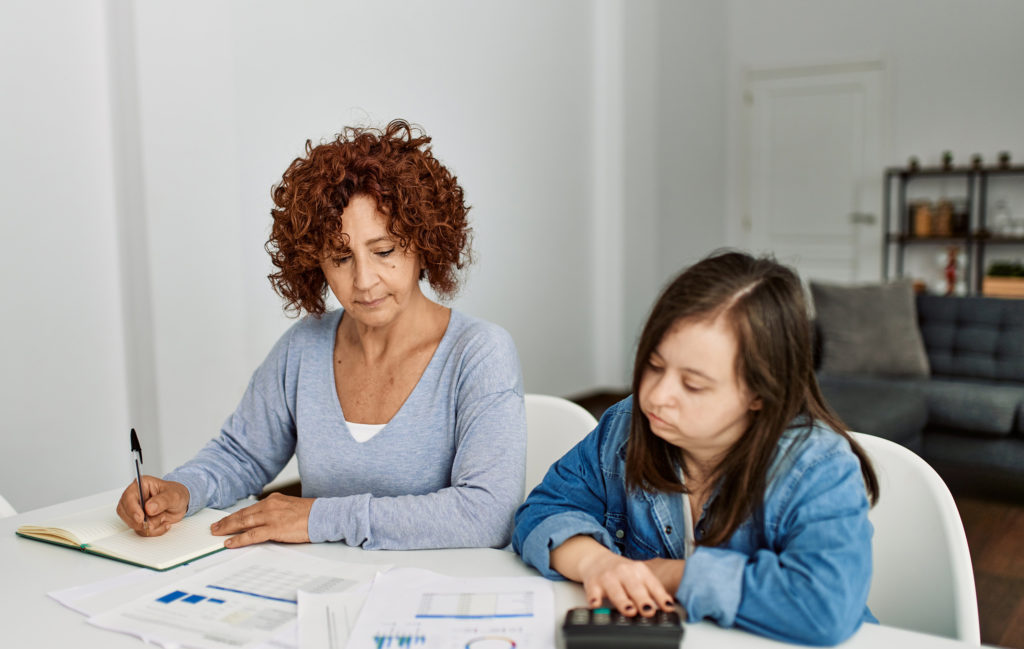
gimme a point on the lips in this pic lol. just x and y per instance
(369, 304)
(654, 419)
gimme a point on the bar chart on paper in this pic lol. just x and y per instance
(463, 637)
(475, 605)
(246, 601)
(420, 609)
(398, 637)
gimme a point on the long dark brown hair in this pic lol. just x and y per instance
(763, 302)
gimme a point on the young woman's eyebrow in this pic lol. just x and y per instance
(691, 370)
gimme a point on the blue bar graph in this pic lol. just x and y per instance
(170, 597)
(182, 596)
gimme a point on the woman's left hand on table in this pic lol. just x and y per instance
(275, 518)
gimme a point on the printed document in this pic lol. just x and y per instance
(420, 609)
(249, 601)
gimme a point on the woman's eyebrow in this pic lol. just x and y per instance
(693, 370)
(378, 240)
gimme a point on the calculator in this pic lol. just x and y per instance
(600, 628)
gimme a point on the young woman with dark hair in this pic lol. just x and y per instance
(407, 417)
(725, 482)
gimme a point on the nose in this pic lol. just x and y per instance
(658, 389)
(364, 275)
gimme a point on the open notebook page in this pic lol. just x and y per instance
(189, 537)
(86, 526)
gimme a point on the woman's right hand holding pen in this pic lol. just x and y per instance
(633, 587)
(166, 504)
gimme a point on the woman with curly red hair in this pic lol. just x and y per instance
(406, 416)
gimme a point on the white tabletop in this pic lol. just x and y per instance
(31, 569)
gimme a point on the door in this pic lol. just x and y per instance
(814, 169)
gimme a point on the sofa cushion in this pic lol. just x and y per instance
(982, 408)
(973, 337)
(869, 329)
(893, 411)
(972, 406)
(1004, 454)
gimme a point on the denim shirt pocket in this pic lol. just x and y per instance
(615, 524)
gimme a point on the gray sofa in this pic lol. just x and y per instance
(966, 417)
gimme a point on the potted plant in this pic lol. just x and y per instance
(1004, 279)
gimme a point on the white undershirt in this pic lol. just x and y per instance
(688, 539)
(363, 432)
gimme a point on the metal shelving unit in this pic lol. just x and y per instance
(975, 239)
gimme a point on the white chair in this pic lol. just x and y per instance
(6, 509)
(553, 426)
(922, 579)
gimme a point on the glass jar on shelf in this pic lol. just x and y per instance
(1018, 227)
(1001, 222)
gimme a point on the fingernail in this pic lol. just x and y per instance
(648, 607)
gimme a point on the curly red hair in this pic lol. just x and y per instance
(422, 200)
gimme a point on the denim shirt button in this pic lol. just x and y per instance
(619, 534)
(668, 529)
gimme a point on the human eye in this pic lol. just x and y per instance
(341, 259)
(689, 387)
(385, 253)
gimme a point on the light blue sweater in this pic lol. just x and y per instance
(446, 471)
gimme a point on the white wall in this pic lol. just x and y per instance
(674, 153)
(691, 143)
(63, 404)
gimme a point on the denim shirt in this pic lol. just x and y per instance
(799, 570)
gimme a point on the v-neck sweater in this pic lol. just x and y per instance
(445, 471)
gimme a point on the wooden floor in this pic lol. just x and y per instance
(995, 534)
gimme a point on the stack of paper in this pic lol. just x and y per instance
(250, 600)
(275, 597)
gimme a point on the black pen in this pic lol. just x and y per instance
(137, 456)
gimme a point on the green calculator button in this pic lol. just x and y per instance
(602, 611)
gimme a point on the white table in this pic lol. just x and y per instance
(30, 569)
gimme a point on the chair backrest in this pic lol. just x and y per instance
(922, 578)
(6, 509)
(553, 426)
